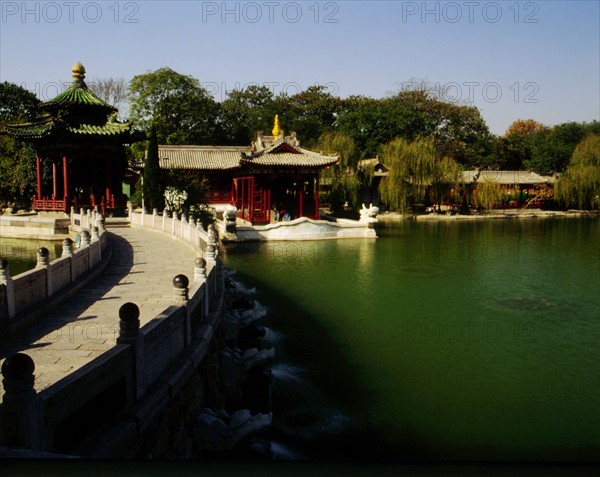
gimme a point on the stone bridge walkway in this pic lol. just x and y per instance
(141, 270)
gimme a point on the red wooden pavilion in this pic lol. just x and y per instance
(79, 144)
(274, 173)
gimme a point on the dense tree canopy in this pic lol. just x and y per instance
(552, 148)
(17, 159)
(247, 111)
(16, 103)
(177, 106)
(528, 144)
(579, 186)
(523, 127)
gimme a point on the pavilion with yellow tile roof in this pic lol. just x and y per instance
(273, 173)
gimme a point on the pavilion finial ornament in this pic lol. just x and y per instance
(78, 71)
(276, 130)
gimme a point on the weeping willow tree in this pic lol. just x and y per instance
(416, 172)
(487, 193)
(579, 186)
(343, 179)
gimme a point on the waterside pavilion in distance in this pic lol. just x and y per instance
(274, 172)
(80, 144)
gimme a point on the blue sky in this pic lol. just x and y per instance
(526, 59)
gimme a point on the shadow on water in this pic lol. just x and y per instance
(320, 411)
(366, 343)
(69, 311)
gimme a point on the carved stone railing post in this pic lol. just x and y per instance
(98, 250)
(180, 289)
(212, 233)
(43, 261)
(129, 323)
(200, 277)
(85, 238)
(9, 289)
(180, 297)
(154, 217)
(67, 250)
(20, 418)
(129, 333)
(211, 246)
(199, 270)
(210, 253)
(164, 217)
(230, 217)
(198, 230)
(101, 225)
(43, 257)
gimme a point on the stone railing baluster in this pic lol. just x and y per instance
(20, 413)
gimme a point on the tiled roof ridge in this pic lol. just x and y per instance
(203, 147)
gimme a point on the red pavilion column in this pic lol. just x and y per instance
(38, 173)
(54, 181)
(107, 182)
(65, 180)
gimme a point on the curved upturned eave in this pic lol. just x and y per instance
(36, 129)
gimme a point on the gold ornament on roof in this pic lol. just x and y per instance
(276, 130)
(78, 71)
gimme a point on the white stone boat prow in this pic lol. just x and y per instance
(301, 228)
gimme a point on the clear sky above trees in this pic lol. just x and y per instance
(512, 60)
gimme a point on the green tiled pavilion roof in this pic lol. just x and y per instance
(46, 128)
(74, 112)
(78, 94)
(40, 127)
(108, 129)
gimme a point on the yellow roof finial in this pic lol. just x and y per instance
(78, 71)
(276, 131)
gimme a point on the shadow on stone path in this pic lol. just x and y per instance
(119, 266)
(83, 327)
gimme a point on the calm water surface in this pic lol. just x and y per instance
(22, 254)
(436, 341)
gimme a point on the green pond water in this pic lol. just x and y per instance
(22, 254)
(462, 340)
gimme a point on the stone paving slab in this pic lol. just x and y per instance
(141, 271)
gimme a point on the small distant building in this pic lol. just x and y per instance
(376, 170)
(80, 144)
(274, 173)
(519, 185)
